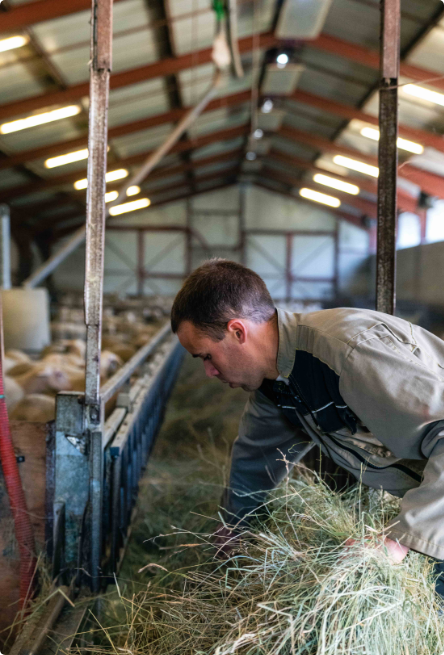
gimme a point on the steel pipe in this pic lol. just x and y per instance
(113, 384)
(101, 55)
(388, 157)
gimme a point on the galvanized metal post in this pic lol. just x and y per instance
(388, 157)
(101, 52)
(5, 248)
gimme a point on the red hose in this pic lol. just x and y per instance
(23, 527)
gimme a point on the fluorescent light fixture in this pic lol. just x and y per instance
(70, 157)
(403, 144)
(331, 201)
(133, 190)
(119, 174)
(130, 206)
(258, 134)
(282, 60)
(424, 94)
(251, 156)
(356, 165)
(267, 106)
(13, 42)
(40, 119)
(336, 184)
(111, 195)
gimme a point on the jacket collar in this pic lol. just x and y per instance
(287, 324)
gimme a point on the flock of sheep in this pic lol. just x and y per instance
(31, 384)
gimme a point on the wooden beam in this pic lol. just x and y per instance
(425, 138)
(365, 207)
(21, 213)
(406, 202)
(161, 68)
(429, 182)
(155, 203)
(182, 146)
(171, 116)
(31, 13)
(370, 58)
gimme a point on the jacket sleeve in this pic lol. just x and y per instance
(396, 388)
(266, 439)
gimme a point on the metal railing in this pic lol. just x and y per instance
(126, 439)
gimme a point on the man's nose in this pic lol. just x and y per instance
(210, 370)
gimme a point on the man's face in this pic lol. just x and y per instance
(231, 360)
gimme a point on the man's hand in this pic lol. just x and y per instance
(226, 541)
(395, 551)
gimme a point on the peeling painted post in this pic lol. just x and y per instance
(388, 157)
(101, 52)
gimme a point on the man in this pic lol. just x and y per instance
(367, 387)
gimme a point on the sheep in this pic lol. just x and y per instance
(34, 407)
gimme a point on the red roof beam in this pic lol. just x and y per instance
(429, 182)
(351, 113)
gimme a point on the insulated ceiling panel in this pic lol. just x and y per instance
(193, 32)
(308, 123)
(34, 137)
(130, 103)
(217, 148)
(17, 81)
(219, 119)
(302, 19)
(62, 33)
(281, 81)
(12, 179)
(429, 53)
(131, 144)
(182, 8)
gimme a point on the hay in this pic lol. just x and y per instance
(289, 590)
(292, 588)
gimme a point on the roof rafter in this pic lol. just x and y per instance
(181, 146)
(171, 116)
(370, 58)
(161, 68)
(429, 182)
(348, 112)
(405, 201)
(36, 12)
(366, 207)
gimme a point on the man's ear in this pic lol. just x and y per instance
(238, 329)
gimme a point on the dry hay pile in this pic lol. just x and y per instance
(292, 588)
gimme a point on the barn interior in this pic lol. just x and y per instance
(138, 139)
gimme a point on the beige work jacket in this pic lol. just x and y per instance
(368, 388)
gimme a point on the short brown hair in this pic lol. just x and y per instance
(217, 292)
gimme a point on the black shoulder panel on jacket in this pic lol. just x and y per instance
(317, 385)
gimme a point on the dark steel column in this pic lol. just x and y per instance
(101, 49)
(388, 157)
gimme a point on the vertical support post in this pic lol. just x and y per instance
(101, 51)
(242, 233)
(422, 213)
(336, 262)
(288, 271)
(388, 157)
(140, 261)
(188, 238)
(5, 247)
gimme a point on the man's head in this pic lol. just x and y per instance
(225, 315)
